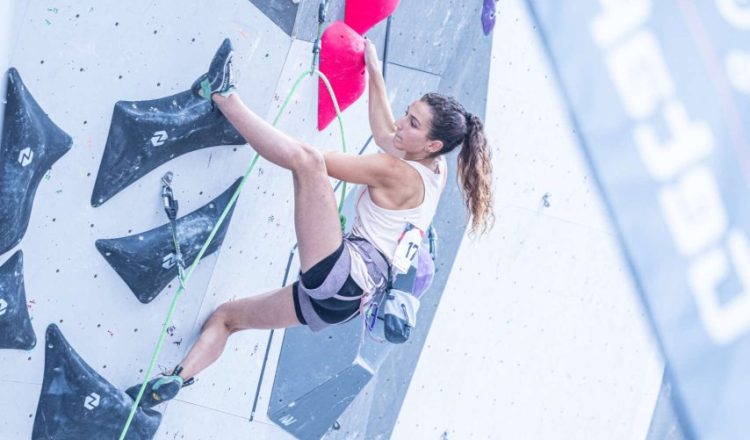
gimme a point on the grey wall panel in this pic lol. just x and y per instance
(467, 75)
(407, 85)
(281, 12)
(427, 34)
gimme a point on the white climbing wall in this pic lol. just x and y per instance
(539, 333)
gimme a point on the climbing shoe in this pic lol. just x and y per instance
(220, 75)
(159, 389)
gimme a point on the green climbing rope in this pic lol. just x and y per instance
(232, 201)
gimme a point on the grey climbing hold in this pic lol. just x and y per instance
(146, 134)
(281, 12)
(31, 143)
(77, 403)
(146, 261)
(15, 325)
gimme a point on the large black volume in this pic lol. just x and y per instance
(31, 143)
(146, 261)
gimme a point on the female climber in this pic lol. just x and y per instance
(339, 272)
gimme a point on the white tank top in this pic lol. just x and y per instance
(383, 227)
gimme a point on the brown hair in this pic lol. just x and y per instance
(454, 126)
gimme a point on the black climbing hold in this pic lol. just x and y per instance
(31, 143)
(15, 325)
(146, 261)
(77, 403)
(146, 134)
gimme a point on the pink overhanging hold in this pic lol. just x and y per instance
(342, 55)
(342, 60)
(362, 15)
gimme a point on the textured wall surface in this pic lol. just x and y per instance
(530, 332)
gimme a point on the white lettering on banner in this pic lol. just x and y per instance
(640, 74)
(724, 322)
(693, 211)
(737, 64)
(688, 143)
(617, 19)
(690, 198)
(735, 12)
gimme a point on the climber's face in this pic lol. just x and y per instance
(411, 132)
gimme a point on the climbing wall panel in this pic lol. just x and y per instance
(82, 59)
(431, 48)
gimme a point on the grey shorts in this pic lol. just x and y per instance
(326, 294)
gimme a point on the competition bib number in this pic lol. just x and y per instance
(408, 245)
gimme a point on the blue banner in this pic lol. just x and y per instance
(659, 93)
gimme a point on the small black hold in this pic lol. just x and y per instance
(155, 31)
(57, 271)
(119, 77)
(96, 275)
(193, 40)
(117, 23)
(81, 69)
(85, 122)
(158, 84)
(41, 62)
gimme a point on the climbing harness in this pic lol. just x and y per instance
(166, 191)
